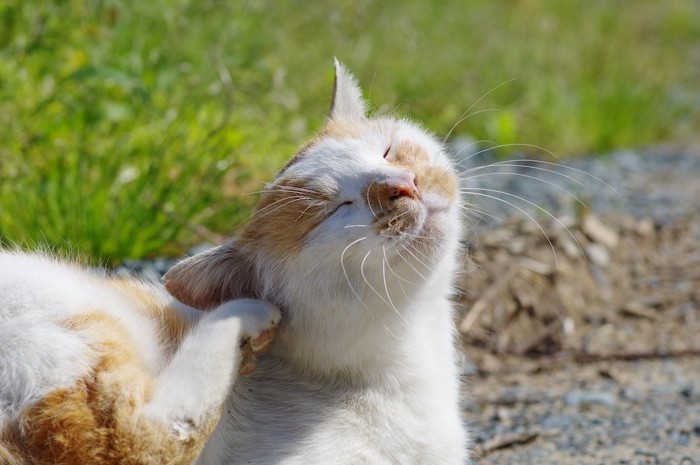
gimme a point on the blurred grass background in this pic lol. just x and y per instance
(128, 128)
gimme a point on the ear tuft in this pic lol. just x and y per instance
(347, 102)
(210, 278)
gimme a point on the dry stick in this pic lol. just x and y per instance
(481, 304)
(504, 440)
(587, 357)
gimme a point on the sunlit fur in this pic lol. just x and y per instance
(97, 371)
(355, 241)
(360, 259)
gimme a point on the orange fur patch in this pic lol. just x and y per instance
(285, 215)
(430, 177)
(172, 325)
(98, 421)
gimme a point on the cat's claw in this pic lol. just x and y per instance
(255, 346)
(260, 320)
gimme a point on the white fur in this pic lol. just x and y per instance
(39, 355)
(364, 368)
(362, 372)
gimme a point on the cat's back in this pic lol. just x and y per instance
(48, 309)
(37, 285)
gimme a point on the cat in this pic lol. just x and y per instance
(98, 370)
(355, 241)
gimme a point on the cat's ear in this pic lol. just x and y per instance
(210, 278)
(347, 102)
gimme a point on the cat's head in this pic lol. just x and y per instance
(368, 203)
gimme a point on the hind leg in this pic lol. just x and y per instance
(122, 414)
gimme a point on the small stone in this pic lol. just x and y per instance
(576, 398)
(630, 394)
(558, 421)
(600, 233)
(644, 227)
(598, 255)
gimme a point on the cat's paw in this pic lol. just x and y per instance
(259, 320)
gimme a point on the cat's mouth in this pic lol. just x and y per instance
(419, 222)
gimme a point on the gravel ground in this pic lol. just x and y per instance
(633, 412)
(591, 359)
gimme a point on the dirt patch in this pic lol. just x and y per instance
(584, 340)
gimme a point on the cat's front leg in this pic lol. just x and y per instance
(190, 392)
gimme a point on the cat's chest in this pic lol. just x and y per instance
(331, 424)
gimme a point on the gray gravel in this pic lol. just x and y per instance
(615, 412)
(659, 184)
(643, 412)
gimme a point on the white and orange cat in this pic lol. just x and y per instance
(355, 241)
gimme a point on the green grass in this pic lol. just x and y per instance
(123, 124)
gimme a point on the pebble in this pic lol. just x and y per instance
(577, 398)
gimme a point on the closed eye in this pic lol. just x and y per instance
(386, 152)
(342, 204)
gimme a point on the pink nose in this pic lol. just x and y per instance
(402, 185)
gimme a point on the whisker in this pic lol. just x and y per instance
(417, 259)
(570, 194)
(415, 236)
(532, 164)
(449, 133)
(456, 156)
(465, 116)
(355, 226)
(364, 277)
(278, 188)
(345, 271)
(400, 278)
(408, 262)
(554, 252)
(386, 291)
(263, 211)
(369, 204)
(315, 202)
(267, 211)
(500, 146)
(482, 215)
(420, 252)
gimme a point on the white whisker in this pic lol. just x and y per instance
(409, 263)
(417, 259)
(420, 252)
(257, 215)
(386, 291)
(554, 252)
(400, 278)
(482, 215)
(369, 204)
(364, 277)
(449, 133)
(313, 203)
(533, 164)
(569, 193)
(345, 271)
